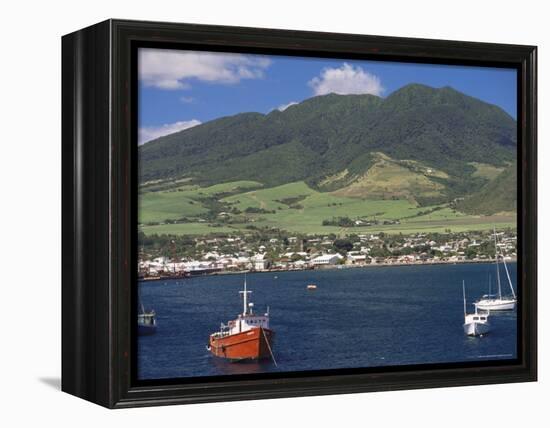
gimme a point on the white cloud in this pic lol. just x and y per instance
(283, 107)
(346, 79)
(174, 69)
(148, 133)
(187, 100)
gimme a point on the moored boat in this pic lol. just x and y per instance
(146, 320)
(147, 323)
(476, 324)
(248, 337)
(489, 303)
(498, 302)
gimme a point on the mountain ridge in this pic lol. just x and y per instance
(325, 135)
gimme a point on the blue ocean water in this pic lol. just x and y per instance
(363, 317)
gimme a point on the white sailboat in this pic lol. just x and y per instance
(498, 302)
(476, 324)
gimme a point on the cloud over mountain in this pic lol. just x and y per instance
(283, 107)
(345, 80)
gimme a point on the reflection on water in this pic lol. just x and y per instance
(365, 317)
(250, 367)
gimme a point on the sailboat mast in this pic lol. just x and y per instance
(464, 296)
(496, 262)
(509, 279)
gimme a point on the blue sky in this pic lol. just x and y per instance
(180, 89)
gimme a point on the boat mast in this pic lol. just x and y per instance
(141, 304)
(245, 297)
(496, 261)
(464, 296)
(509, 279)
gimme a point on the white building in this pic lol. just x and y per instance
(357, 258)
(259, 262)
(326, 259)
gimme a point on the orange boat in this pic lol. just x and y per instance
(246, 338)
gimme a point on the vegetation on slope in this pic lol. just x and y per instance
(499, 195)
(326, 135)
(422, 156)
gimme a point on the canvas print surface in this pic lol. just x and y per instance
(299, 214)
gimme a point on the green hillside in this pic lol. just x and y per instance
(422, 159)
(499, 195)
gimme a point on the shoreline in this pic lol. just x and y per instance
(325, 267)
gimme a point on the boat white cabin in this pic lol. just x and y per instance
(476, 324)
(147, 318)
(147, 323)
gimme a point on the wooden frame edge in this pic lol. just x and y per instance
(96, 344)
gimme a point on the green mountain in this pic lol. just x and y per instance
(431, 136)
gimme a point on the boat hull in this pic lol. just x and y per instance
(146, 330)
(252, 344)
(505, 305)
(476, 328)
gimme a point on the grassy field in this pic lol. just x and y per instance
(270, 199)
(232, 186)
(185, 229)
(298, 208)
(443, 214)
(456, 225)
(161, 206)
(183, 201)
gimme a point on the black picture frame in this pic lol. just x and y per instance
(99, 158)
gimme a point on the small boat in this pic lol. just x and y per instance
(248, 337)
(476, 324)
(312, 287)
(498, 302)
(147, 323)
(146, 320)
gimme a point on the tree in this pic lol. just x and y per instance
(379, 252)
(344, 245)
(295, 257)
(470, 253)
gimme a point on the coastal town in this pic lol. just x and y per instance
(170, 256)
